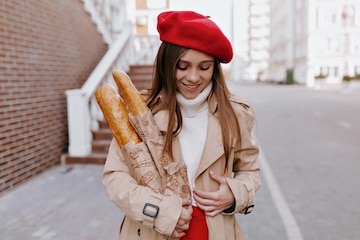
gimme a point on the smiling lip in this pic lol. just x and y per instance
(191, 87)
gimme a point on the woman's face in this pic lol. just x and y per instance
(193, 73)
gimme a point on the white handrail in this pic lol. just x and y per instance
(83, 111)
(96, 17)
(81, 120)
(104, 65)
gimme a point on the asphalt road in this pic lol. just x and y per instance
(310, 141)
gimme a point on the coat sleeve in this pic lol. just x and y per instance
(246, 178)
(124, 191)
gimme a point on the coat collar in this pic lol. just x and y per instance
(162, 118)
(213, 148)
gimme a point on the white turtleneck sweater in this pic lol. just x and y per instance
(193, 133)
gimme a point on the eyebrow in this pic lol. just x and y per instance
(205, 61)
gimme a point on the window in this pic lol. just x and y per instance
(357, 70)
(153, 4)
(328, 16)
(324, 71)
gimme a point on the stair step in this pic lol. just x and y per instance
(103, 124)
(101, 146)
(142, 84)
(141, 69)
(93, 158)
(141, 75)
(140, 78)
(103, 134)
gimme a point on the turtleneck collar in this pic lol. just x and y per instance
(191, 107)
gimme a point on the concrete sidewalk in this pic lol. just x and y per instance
(70, 203)
(65, 203)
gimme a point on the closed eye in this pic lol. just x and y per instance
(204, 68)
(181, 68)
(182, 65)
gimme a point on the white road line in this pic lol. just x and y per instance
(344, 124)
(288, 219)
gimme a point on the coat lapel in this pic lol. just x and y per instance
(213, 148)
(161, 119)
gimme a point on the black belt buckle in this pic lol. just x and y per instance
(150, 210)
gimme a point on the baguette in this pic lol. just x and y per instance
(132, 122)
(135, 102)
(116, 115)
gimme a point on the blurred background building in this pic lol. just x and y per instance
(306, 42)
(54, 55)
(314, 42)
(258, 43)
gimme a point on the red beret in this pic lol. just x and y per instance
(193, 30)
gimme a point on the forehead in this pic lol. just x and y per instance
(192, 55)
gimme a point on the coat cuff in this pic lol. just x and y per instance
(167, 215)
(231, 209)
(244, 196)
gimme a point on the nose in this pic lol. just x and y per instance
(193, 75)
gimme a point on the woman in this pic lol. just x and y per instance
(205, 127)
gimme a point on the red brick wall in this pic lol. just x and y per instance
(46, 47)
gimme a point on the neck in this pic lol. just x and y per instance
(191, 107)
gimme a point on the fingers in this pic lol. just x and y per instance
(186, 210)
(186, 202)
(180, 229)
(211, 195)
(182, 225)
(199, 195)
(209, 202)
(184, 220)
(213, 203)
(211, 207)
(176, 234)
(219, 179)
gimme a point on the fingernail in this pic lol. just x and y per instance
(211, 172)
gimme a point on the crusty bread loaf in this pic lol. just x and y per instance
(135, 102)
(116, 115)
(148, 163)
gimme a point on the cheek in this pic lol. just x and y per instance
(179, 75)
(208, 76)
(178, 82)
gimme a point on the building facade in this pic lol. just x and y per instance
(314, 42)
(41, 56)
(258, 44)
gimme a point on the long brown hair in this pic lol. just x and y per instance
(164, 85)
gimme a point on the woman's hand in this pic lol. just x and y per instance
(213, 203)
(184, 219)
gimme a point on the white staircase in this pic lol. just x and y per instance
(84, 115)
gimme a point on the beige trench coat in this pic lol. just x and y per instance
(243, 177)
